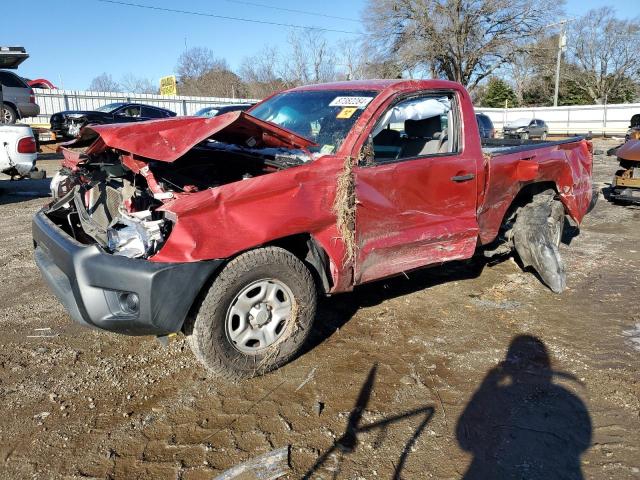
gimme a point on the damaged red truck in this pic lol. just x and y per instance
(228, 228)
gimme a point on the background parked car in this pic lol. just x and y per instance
(219, 110)
(69, 123)
(19, 100)
(18, 150)
(40, 83)
(526, 128)
(485, 126)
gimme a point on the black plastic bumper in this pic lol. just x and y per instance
(89, 283)
(625, 194)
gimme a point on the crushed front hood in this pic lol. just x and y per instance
(168, 139)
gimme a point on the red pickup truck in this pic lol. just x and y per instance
(228, 228)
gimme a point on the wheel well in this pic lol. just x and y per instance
(313, 255)
(13, 106)
(525, 195)
(301, 245)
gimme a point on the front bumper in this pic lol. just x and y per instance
(512, 134)
(88, 282)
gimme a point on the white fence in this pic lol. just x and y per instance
(52, 101)
(575, 120)
(598, 119)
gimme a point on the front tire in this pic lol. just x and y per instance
(256, 315)
(524, 136)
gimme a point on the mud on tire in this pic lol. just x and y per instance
(210, 332)
(536, 235)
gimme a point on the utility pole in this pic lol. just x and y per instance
(562, 46)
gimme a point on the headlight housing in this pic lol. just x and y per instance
(135, 235)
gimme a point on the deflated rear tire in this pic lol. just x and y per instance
(256, 315)
(537, 232)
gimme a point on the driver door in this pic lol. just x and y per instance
(416, 201)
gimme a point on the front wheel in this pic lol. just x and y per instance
(256, 315)
(524, 136)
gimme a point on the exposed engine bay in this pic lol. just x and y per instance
(112, 198)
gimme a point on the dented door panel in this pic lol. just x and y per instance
(411, 213)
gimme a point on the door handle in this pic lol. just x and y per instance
(463, 178)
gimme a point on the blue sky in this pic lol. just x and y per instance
(72, 41)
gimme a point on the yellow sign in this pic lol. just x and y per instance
(346, 112)
(168, 85)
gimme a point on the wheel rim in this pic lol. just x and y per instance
(7, 117)
(259, 315)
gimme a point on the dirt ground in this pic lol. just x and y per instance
(404, 379)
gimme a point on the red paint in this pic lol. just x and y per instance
(409, 214)
(168, 139)
(41, 83)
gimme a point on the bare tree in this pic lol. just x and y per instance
(202, 74)
(461, 40)
(531, 61)
(133, 84)
(104, 83)
(312, 60)
(196, 61)
(605, 51)
(264, 73)
(357, 61)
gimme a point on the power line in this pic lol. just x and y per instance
(224, 17)
(293, 10)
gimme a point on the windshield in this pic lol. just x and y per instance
(109, 108)
(324, 116)
(207, 112)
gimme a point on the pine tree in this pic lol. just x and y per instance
(498, 94)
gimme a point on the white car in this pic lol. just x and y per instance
(18, 150)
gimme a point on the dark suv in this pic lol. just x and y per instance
(485, 126)
(19, 100)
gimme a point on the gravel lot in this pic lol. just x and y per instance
(404, 379)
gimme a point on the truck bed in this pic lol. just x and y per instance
(502, 146)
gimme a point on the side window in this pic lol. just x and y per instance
(131, 111)
(10, 80)
(149, 112)
(416, 127)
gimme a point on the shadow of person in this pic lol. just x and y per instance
(519, 424)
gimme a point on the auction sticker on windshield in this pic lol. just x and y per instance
(346, 112)
(359, 102)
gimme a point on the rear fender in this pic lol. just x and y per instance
(566, 169)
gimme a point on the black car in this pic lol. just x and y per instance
(69, 123)
(219, 110)
(485, 126)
